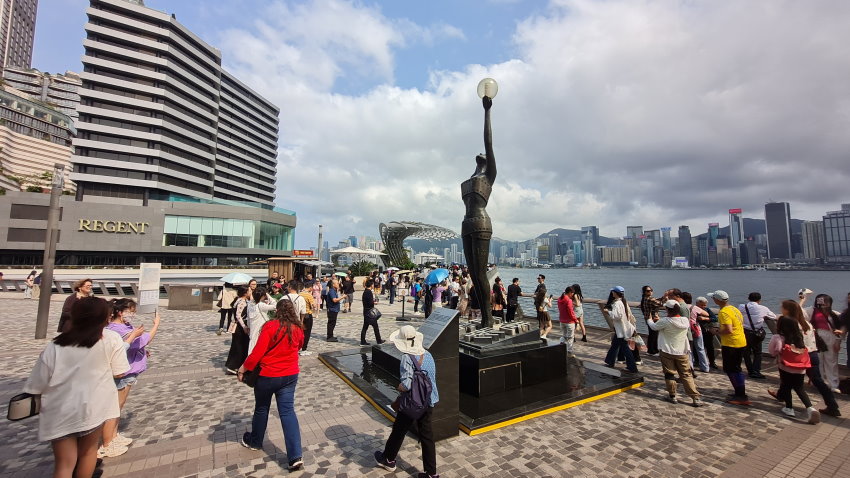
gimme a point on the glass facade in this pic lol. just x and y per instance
(836, 228)
(194, 231)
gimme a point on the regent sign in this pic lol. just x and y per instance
(118, 227)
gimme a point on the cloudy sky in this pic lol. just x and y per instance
(614, 112)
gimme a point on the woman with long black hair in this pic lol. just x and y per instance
(276, 353)
(829, 329)
(788, 342)
(499, 298)
(792, 310)
(75, 377)
(618, 310)
(578, 309)
(240, 337)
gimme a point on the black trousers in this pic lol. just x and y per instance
(792, 381)
(366, 323)
(308, 327)
(651, 340)
(228, 314)
(426, 438)
(509, 317)
(752, 353)
(331, 322)
(416, 303)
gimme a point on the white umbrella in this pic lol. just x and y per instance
(237, 278)
(393, 268)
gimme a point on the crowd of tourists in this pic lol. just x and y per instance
(805, 342)
(84, 377)
(99, 354)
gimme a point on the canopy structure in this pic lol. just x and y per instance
(355, 253)
(394, 233)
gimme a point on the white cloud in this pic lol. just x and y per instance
(612, 113)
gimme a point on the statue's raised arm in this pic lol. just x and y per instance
(488, 141)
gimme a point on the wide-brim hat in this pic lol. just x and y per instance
(408, 341)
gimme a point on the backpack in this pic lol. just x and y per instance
(414, 402)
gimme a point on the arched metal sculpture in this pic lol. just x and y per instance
(394, 233)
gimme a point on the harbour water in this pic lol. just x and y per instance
(774, 286)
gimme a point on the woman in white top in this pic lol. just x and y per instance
(624, 329)
(258, 314)
(75, 377)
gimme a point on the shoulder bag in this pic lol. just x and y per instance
(373, 314)
(250, 377)
(792, 359)
(759, 333)
(23, 405)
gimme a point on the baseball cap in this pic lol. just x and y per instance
(619, 289)
(719, 295)
(670, 304)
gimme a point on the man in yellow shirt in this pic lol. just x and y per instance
(733, 343)
(310, 305)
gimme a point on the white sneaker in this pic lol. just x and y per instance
(305, 353)
(122, 440)
(112, 450)
(789, 412)
(814, 415)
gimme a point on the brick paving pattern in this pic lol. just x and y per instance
(186, 417)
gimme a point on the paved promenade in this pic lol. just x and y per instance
(186, 416)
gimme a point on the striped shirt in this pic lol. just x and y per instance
(428, 366)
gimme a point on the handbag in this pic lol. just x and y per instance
(249, 377)
(759, 333)
(373, 314)
(23, 405)
(231, 329)
(792, 359)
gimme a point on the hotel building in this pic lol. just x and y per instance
(165, 137)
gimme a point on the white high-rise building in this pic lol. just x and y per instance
(160, 119)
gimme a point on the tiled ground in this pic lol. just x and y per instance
(186, 417)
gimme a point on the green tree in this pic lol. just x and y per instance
(362, 268)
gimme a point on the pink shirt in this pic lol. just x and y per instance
(565, 310)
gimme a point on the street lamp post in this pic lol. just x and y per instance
(50, 240)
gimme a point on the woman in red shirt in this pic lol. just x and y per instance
(276, 353)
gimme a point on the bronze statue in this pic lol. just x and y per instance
(477, 228)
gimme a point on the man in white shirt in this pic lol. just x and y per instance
(674, 351)
(454, 291)
(298, 301)
(754, 314)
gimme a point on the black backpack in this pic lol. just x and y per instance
(414, 402)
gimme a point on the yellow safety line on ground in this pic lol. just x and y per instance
(357, 389)
(547, 411)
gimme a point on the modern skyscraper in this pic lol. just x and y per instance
(634, 231)
(159, 112)
(814, 247)
(590, 239)
(713, 232)
(685, 249)
(736, 231)
(777, 219)
(836, 227)
(17, 31)
(666, 241)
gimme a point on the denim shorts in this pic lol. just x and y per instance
(79, 434)
(129, 379)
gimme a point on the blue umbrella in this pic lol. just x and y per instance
(436, 276)
(237, 278)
